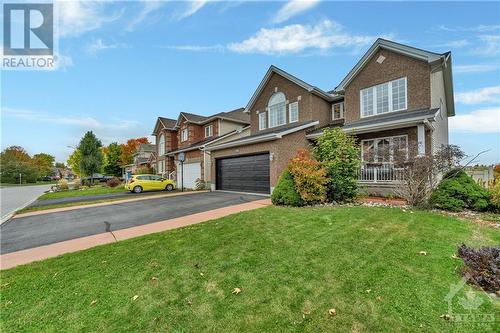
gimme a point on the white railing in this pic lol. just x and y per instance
(172, 176)
(385, 173)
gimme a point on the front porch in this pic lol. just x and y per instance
(386, 173)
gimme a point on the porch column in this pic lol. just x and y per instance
(421, 139)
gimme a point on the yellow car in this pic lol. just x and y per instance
(139, 183)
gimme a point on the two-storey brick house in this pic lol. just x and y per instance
(394, 96)
(189, 135)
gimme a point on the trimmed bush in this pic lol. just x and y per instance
(482, 267)
(285, 192)
(458, 191)
(63, 184)
(495, 196)
(309, 177)
(339, 154)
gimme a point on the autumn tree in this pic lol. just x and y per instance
(112, 154)
(128, 149)
(74, 161)
(44, 163)
(17, 166)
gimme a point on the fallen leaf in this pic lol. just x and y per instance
(236, 291)
(201, 274)
(423, 253)
(135, 297)
(379, 298)
(103, 262)
(332, 312)
(93, 302)
(154, 278)
(190, 303)
(368, 291)
(454, 256)
(445, 317)
(8, 303)
(5, 284)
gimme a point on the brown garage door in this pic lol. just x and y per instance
(243, 173)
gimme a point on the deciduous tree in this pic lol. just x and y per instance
(112, 155)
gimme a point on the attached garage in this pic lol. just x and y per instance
(190, 173)
(248, 173)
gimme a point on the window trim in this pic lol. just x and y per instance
(185, 130)
(389, 92)
(391, 145)
(290, 112)
(210, 131)
(262, 116)
(269, 111)
(341, 111)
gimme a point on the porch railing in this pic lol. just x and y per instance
(385, 173)
(172, 176)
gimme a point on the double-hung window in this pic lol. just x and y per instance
(208, 131)
(184, 135)
(385, 150)
(277, 110)
(386, 97)
(293, 112)
(338, 111)
(262, 121)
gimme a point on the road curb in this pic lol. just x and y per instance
(22, 257)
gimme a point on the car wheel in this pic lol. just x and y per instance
(137, 189)
(169, 187)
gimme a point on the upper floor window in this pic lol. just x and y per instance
(262, 120)
(277, 110)
(184, 135)
(208, 131)
(386, 97)
(161, 145)
(338, 111)
(293, 109)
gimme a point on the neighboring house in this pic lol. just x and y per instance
(483, 175)
(189, 135)
(144, 157)
(395, 97)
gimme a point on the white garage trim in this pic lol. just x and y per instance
(191, 172)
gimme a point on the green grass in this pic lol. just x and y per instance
(78, 193)
(292, 265)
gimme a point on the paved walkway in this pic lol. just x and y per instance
(13, 259)
(13, 198)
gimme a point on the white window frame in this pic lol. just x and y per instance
(262, 121)
(208, 129)
(184, 135)
(161, 145)
(269, 112)
(391, 148)
(374, 92)
(341, 111)
(294, 104)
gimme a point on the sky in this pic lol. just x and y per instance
(123, 64)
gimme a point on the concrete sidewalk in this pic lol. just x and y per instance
(22, 257)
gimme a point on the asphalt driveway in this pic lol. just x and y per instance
(32, 231)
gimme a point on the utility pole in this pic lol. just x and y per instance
(20, 177)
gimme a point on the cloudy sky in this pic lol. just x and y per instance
(125, 63)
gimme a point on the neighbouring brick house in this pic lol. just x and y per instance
(190, 134)
(144, 157)
(395, 96)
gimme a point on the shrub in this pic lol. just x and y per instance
(495, 196)
(482, 266)
(114, 182)
(143, 171)
(458, 191)
(285, 192)
(309, 177)
(63, 184)
(76, 184)
(339, 154)
(199, 184)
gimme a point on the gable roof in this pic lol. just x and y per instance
(290, 77)
(165, 123)
(443, 59)
(236, 115)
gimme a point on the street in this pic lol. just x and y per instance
(32, 231)
(13, 198)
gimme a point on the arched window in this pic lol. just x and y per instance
(277, 110)
(161, 147)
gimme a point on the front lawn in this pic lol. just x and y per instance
(83, 192)
(292, 265)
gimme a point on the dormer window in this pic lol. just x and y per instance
(277, 110)
(184, 135)
(338, 111)
(208, 131)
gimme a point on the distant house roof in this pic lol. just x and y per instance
(443, 59)
(164, 123)
(236, 115)
(147, 147)
(273, 69)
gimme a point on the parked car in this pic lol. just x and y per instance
(139, 183)
(97, 177)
